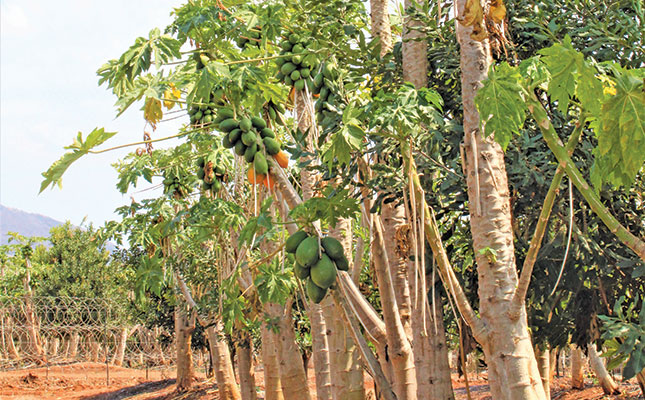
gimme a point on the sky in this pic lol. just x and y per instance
(49, 54)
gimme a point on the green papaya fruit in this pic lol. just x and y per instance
(267, 133)
(297, 49)
(295, 75)
(305, 72)
(200, 173)
(228, 125)
(207, 119)
(272, 113)
(249, 154)
(280, 61)
(286, 45)
(323, 273)
(315, 293)
(245, 124)
(219, 169)
(240, 148)
(226, 113)
(201, 162)
(307, 251)
(329, 70)
(318, 80)
(333, 248)
(296, 59)
(279, 76)
(258, 123)
(216, 186)
(342, 265)
(198, 115)
(300, 84)
(287, 68)
(207, 111)
(278, 107)
(294, 38)
(292, 242)
(235, 135)
(240, 42)
(260, 164)
(226, 142)
(248, 138)
(318, 106)
(207, 186)
(324, 92)
(288, 81)
(300, 271)
(272, 146)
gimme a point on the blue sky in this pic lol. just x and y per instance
(49, 54)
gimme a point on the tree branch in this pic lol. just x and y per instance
(536, 241)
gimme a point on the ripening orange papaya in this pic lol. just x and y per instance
(269, 181)
(253, 177)
(282, 158)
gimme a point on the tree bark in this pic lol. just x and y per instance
(184, 326)
(609, 386)
(272, 385)
(35, 350)
(121, 342)
(543, 360)
(577, 375)
(245, 368)
(640, 378)
(292, 372)
(222, 364)
(512, 368)
(380, 18)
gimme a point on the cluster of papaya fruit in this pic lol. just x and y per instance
(275, 112)
(213, 175)
(251, 139)
(174, 185)
(295, 62)
(328, 106)
(252, 37)
(202, 114)
(316, 262)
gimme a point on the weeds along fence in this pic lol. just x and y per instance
(45, 331)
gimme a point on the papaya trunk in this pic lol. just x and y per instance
(609, 386)
(244, 350)
(380, 24)
(543, 360)
(184, 326)
(292, 372)
(35, 350)
(222, 364)
(121, 342)
(577, 376)
(640, 378)
(512, 367)
(272, 385)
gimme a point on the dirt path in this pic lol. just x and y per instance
(87, 381)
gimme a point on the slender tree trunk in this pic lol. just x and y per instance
(8, 338)
(292, 371)
(380, 18)
(640, 378)
(73, 346)
(222, 364)
(272, 385)
(609, 386)
(35, 350)
(439, 380)
(121, 342)
(184, 326)
(577, 366)
(543, 360)
(95, 349)
(512, 367)
(553, 362)
(245, 368)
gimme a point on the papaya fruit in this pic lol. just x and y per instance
(207, 119)
(294, 38)
(305, 72)
(200, 173)
(286, 45)
(300, 84)
(254, 179)
(240, 148)
(318, 80)
(258, 123)
(329, 70)
(219, 169)
(246, 124)
(228, 125)
(278, 107)
(201, 162)
(293, 241)
(260, 164)
(207, 111)
(272, 113)
(300, 272)
(282, 158)
(216, 186)
(288, 81)
(248, 138)
(323, 273)
(307, 251)
(315, 293)
(333, 248)
(198, 115)
(272, 146)
(297, 48)
(295, 75)
(249, 154)
(226, 142)
(235, 135)
(296, 59)
(269, 181)
(287, 68)
(279, 76)
(318, 106)
(280, 61)
(226, 113)
(342, 265)
(324, 92)
(267, 132)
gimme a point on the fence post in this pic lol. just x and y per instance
(107, 356)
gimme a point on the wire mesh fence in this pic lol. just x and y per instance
(39, 331)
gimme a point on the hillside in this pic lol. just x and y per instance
(27, 224)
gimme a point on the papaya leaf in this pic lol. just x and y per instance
(561, 59)
(501, 104)
(620, 153)
(79, 148)
(152, 111)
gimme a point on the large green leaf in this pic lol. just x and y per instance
(79, 148)
(621, 135)
(500, 103)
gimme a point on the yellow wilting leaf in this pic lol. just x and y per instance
(497, 11)
(609, 90)
(473, 13)
(170, 94)
(152, 111)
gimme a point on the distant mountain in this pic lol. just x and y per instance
(26, 224)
